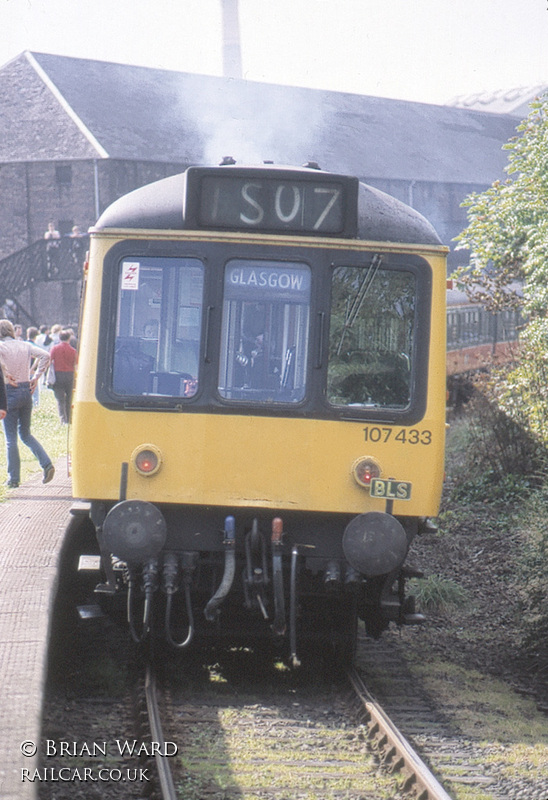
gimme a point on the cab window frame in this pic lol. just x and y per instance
(106, 394)
(422, 271)
(214, 256)
(293, 301)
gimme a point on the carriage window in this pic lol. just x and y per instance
(264, 331)
(371, 336)
(158, 327)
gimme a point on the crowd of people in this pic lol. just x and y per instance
(47, 357)
(34, 359)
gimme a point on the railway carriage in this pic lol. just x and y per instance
(259, 412)
(478, 337)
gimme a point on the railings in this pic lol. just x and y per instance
(42, 262)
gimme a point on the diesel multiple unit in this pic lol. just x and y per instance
(259, 414)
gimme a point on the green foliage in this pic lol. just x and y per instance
(505, 507)
(498, 457)
(523, 394)
(489, 487)
(435, 593)
(533, 579)
(507, 233)
(507, 236)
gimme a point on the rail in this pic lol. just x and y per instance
(165, 777)
(395, 750)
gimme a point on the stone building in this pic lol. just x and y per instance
(75, 134)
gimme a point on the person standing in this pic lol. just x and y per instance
(32, 337)
(64, 358)
(54, 334)
(16, 357)
(43, 339)
(3, 397)
(52, 237)
(77, 248)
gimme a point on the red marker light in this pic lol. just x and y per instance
(365, 469)
(146, 460)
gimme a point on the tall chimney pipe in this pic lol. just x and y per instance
(232, 54)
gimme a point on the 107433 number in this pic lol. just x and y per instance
(400, 435)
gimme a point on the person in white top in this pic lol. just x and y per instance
(22, 365)
(53, 240)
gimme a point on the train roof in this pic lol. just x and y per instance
(160, 206)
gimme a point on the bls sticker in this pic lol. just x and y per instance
(390, 489)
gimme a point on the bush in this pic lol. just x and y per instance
(533, 579)
(515, 503)
(523, 393)
(435, 593)
(500, 453)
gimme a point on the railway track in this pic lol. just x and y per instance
(286, 743)
(393, 748)
(241, 726)
(163, 768)
(246, 727)
(471, 766)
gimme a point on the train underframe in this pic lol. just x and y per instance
(194, 574)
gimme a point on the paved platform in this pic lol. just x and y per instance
(33, 524)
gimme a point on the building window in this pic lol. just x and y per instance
(63, 174)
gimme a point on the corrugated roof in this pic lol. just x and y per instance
(159, 115)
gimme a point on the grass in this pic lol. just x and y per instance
(485, 709)
(436, 593)
(47, 428)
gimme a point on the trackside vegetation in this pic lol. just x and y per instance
(507, 239)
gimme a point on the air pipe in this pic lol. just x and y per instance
(212, 608)
(169, 575)
(255, 577)
(150, 584)
(293, 608)
(279, 624)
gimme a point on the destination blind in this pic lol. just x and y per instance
(261, 279)
(262, 200)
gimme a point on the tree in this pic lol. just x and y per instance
(507, 236)
(507, 233)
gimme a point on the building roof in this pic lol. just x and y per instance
(108, 110)
(515, 102)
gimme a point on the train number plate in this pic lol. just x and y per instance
(390, 489)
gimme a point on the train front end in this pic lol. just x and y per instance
(259, 412)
